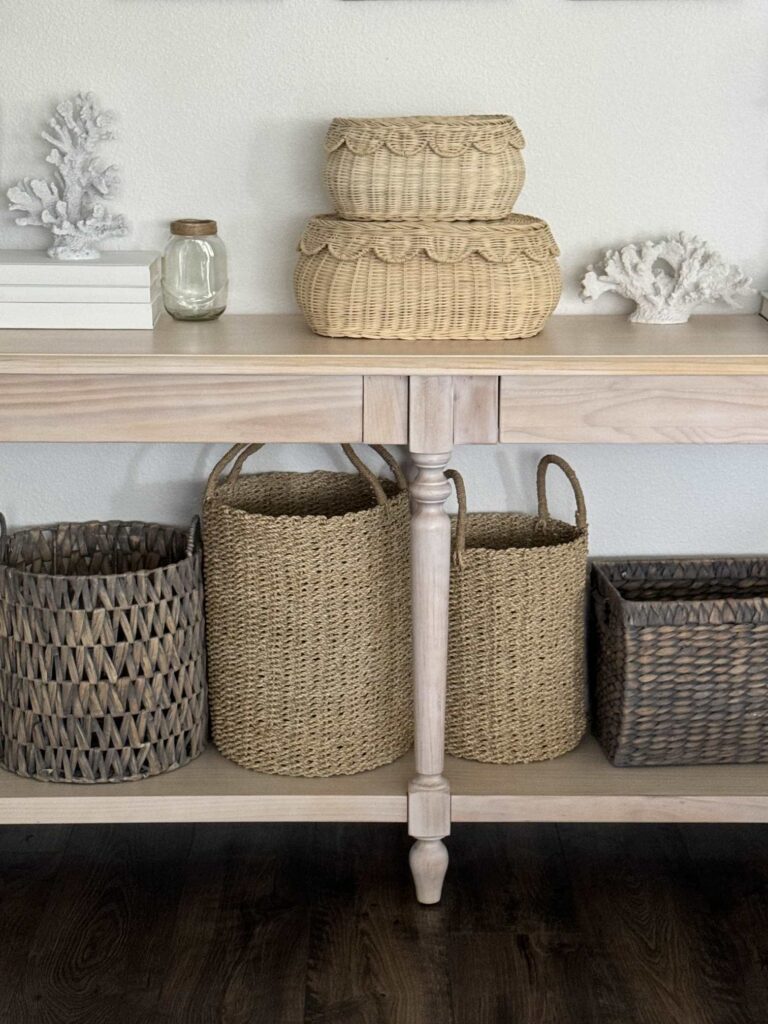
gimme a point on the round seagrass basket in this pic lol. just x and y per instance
(428, 281)
(308, 617)
(516, 655)
(102, 657)
(431, 168)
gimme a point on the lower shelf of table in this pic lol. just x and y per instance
(211, 788)
(582, 786)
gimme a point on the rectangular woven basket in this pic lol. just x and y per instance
(680, 660)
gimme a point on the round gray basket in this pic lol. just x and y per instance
(102, 657)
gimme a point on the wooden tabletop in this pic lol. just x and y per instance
(283, 344)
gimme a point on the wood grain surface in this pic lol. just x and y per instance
(316, 924)
(182, 408)
(634, 410)
(283, 344)
(211, 788)
(581, 786)
(385, 410)
(475, 410)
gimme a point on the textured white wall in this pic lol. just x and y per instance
(640, 118)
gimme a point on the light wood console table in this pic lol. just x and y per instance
(267, 378)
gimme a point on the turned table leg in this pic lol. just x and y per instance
(429, 799)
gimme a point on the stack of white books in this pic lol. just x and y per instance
(119, 291)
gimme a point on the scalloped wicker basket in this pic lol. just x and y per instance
(431, 168)
(428, 280)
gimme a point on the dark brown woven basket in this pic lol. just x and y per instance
(680, 661)
(102, 652)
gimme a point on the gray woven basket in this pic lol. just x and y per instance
(308, 617)
(516, 653)
(680, 660)
(102, 657)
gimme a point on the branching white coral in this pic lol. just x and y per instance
(666, 279)
(72, 205)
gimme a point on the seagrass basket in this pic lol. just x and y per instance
(428, 281)
(308, 617)
(516, 653)
(102, 657)
(680, 660)
(431, 168)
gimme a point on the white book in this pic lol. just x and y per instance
(76, 293)
(120, 268)
(764, 304)
(105, 316)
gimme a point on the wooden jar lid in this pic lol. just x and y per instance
(193, 228)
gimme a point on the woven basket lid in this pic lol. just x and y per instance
(499, 241)
(406, 136)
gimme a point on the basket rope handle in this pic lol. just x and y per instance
(214, 480)
(370, 477)
(248, 450)
(573, 480)
(242, 452)
(397, 470)
(460, 542)
(193, 536)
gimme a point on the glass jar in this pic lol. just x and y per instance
(195, 271)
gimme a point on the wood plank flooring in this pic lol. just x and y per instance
(316, 924)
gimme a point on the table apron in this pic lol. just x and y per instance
(194, 407)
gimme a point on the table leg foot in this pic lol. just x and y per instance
(429, 863)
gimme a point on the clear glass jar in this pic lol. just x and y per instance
(195, 271)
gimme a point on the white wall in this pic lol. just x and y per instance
(640, 117)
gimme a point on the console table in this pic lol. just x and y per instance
(267, 378)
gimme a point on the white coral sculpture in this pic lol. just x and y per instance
(667, 279)
(72, 205)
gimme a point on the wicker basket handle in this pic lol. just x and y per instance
(460, 541)
(541, 489)
(394, 465)
(214, 480)
(248, 450)
(370, 477)
(242, 452)
(193, 537)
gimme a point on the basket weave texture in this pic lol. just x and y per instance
(431, 168)
(429, 281)
(102, 656)
(680, 660)
(516, 655)
(308, 617)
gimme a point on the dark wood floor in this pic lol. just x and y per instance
(285, 924)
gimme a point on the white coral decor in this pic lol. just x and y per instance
(667, 279)
(72, 205)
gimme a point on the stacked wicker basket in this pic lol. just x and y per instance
(424, 243)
